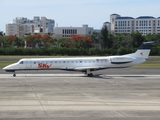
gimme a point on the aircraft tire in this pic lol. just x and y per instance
(90, 75)
(14, 75)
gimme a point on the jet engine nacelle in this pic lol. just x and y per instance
(121, 60)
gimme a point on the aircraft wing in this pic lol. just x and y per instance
(88, 68)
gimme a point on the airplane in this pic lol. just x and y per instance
(83, 64)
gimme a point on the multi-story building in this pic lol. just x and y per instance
(12, 29)
(64, 32)
(143, 24)
(24, 26)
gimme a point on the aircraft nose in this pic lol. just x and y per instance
(9, 68)
(5, 68)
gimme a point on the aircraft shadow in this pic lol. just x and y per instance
(112, 76)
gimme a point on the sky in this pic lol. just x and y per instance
(75, 13)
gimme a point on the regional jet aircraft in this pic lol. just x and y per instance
(84, 64)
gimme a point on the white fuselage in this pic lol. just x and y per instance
(91, 63)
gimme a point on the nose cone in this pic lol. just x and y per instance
(9, 68)
(5, 68)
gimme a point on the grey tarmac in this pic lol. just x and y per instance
(119, 71)
(67, 96)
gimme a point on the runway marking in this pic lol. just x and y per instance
(130, 76)
(40, 75)
(77, 75)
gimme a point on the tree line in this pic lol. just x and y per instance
(106, 44)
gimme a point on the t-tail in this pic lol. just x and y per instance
(143, 51)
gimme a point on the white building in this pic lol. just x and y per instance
(64, 32)
(23, 26)
(143, 24)
(12, 29)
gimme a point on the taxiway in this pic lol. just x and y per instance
(76, 97)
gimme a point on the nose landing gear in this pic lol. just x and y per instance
(14, 74)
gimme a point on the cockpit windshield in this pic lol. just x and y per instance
(20, 61)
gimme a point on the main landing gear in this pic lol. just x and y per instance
(88, 73)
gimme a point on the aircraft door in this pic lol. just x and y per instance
(28, 64)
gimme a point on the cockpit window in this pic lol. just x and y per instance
(21, 62)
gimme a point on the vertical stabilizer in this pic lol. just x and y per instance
(144, 50)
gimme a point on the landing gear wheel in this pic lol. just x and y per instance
(14, 75)
(90, 75)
